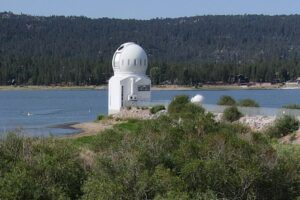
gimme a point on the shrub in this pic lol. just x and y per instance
(226, 101)
(283, 126)
(291, 106)
(182, 107)
(192, 109)
(100, 117)
(196, 158)
(32, 168)
(232, 114)
(177, 104)
(157, 108)
(248, 103)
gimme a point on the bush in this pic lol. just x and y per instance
(231, 114)
(183, 108)
(248, 103)
(226, 101)
(100, 117)
(291, 106)
(157, 108)
(197, 158)
(283, 126)
(32, 168)
(177, 104)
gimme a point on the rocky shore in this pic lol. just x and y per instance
(256, 123)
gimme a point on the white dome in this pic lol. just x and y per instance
(197, 99)
(130, 58)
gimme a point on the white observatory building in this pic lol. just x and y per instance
(129, 86)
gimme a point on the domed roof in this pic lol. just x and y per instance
(130, 58)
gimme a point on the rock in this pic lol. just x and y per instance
(257, 123)
(218, 117)
(158, 114)
(133, 113)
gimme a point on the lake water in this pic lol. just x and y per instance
(39, 112)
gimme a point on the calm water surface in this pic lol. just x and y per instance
(40, 112)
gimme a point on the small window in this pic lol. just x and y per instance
(141, 62)
(120, 48)
(142, 88)
(134, 62)
(117, 60)
(145, 62)
(128, 62)
(122, 61)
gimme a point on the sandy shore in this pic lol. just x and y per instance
(91, 128)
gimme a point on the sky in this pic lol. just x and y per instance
(147, 9)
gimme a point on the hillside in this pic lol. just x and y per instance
(50, 50)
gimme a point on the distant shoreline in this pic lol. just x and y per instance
(155, 87)
(41, 87)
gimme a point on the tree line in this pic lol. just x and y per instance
(78, 50)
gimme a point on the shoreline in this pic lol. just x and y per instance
(154, 87)
(41, 87)
(88, 128)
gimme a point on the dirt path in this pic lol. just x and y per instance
(291, 139)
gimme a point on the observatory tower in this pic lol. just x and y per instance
(129, 86)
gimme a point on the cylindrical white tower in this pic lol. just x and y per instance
(129, 86)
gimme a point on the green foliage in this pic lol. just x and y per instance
(283, 126)
(177, 104)
(248, 103)
(291, 106)
(157, 108)
(33, 168)
(196, 158)
(226, 101)
(231, 114)
(181, 106)
(100, 117)
(187, 155)
(155, 75)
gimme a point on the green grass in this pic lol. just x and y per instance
(248, 103)
(289, 150)
(84, 141)
(132, 125)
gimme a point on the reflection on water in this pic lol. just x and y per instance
(39, 112)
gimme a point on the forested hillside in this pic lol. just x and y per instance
(78, 50)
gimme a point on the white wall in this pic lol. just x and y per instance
(114, 93)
